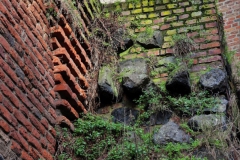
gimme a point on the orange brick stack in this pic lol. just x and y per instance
(71, 63)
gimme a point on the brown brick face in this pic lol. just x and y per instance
(24, 86)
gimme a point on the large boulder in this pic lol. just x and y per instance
(120, 41)
(150, 40)
(215, 81)
(134, 75)
(160, 117)
(179, 82)
(170, 132)
(108, 89)
(125, 115)
(203, 122)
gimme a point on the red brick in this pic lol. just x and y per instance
(19, 139)
(34, 153)
(199, 54)
(35, 133)
(34, 142)
(214, 51)
(44, 122)
(5, 126)
(16, 148)
(159, 20)
(209, 45)
(210, 59)
(184, 16)
(43, 142)
(211, 25)
(51, 149)
(6, 114)
(11, 51)
(165, 26)
(51, 139)
(26, 156)
(37, 124)
(46, 154)
(7, 104)
(21, 118)
(9, 94)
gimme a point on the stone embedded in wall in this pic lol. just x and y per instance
(134, 76)
(215, 81)
(150, 40)
(125, 115)
(203, 122)
(108, 89)
(179, 82)
(170, 132)
(121, 41)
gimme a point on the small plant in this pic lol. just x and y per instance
(182, 44)
(193, 103)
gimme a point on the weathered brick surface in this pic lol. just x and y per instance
(198, 21)
(25, 78)
(231, 17)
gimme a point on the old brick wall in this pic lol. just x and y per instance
(27, 109)
(230, 10)
(42, 75)
(196, 19)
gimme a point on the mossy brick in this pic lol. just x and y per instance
(196, 14)
(177, 24)
(166, 13)
(151, 3)
(160, 8)
(153, 15)
(191, 21)
(159, 20)
(155, 27)
(170, 19)
(207, 1)
(172, 6)
(136, 11)
(124, 6)
(183, 4)
(184, 16)
(144, 3)
(180, 10)
(159, 2)
(166, 1)
(138, 5)
(126, 13)
(141, 16)
(148, 9)
(146, 22)
(162, 51)
(192, 8)
(166, 45)
(206, 6)
(168, 38)
(130, 6)
(208, 18)
(171, 32)
(210, 12)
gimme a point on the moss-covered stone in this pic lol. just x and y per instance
(136, 11)
(171, 6)
(153, 15)
(149, 9)
(171, 32)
